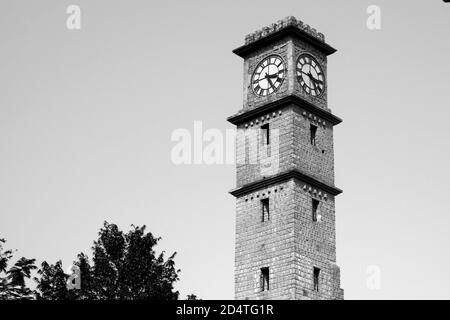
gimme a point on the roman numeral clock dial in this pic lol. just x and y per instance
(268, 76)
(310, 75)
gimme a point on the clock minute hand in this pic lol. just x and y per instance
(313, 83)
(311, 78)
(308, 74)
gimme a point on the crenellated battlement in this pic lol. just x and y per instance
(282, 24)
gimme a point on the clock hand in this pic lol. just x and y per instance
(270, 81)
(317, 80)
(310, 76)
(275, 75)
(269, 77)
(313, 83)
(313, 78)
(259, 79)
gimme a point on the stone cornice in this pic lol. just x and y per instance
(293, 174)
(292, 99)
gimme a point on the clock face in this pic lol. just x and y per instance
(268, 76)
(310, 75)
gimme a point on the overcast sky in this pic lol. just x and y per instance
(86, 118)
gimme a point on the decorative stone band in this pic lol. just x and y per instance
(245, 116)
(264, 119)
(293, 174)
(265, 194)
(286, 27)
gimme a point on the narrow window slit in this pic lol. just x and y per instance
(265, 213)
(265, 279)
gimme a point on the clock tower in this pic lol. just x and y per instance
(285, 192)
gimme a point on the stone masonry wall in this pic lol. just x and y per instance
(316, 161)
(294, 147)
(265, 244)
(315, 243)
(248, 170)
(289, 243)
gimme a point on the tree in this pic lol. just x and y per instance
(52, 282)
(124, 266)
(13, 284)
(4, 256)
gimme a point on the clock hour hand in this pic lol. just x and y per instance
(270, 81)
(275, 75)
(317, 81)
(312, 78)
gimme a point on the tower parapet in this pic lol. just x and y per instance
(289, 21)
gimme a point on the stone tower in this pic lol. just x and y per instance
(285, 193)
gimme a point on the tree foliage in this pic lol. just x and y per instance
(13, 280)
(124, 266)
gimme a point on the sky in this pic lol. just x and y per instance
(86, 118)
